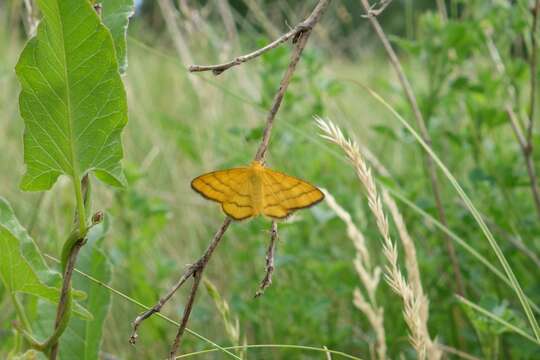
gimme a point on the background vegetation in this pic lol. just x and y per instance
(181, 125)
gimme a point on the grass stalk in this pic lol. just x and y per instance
(414, 304)
(421, 124)
(474, 212)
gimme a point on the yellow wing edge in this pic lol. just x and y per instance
(222, 204)
(291, 210)
(194, 187)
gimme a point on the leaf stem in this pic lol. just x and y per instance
(81, 211)
(74, 244)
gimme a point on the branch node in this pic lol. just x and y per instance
(267, 280)
(300, 36)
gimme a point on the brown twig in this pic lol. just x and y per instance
(305, 26)
(377, 8)
(409, 93)
(198, 266)
(267, 280)
(300, 37)
(187, 311)
(525, 144)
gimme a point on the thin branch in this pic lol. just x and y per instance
(278, 98)
(533, 65)
(189, 272)
(524, 143)
(377, 8)
(459, 285)
(267, 280)
(187, 311)
(219, 68)
(196, 270)
(305, 26)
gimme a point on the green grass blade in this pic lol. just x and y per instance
(497, 319)
(456, 238)
(470, 206)
(141, 305)
(273, 346)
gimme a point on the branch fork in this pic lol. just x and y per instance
(299, 34)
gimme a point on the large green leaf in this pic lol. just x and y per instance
(22, 269)
(72, 100)
(82, 339)
(115, 15)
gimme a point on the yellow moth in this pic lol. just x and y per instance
(254, 190)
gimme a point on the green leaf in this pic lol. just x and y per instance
(72, 100)
(82, 339)
(115, 15)
(21, 262)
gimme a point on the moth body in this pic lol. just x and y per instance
(254, 190)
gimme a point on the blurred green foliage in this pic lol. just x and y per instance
(177, 132)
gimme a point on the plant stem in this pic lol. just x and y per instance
(533, 65)
(476, 215)
(81, 211)
(299, 40)
(459, 285)
(63, 311)
(525, 144)
(139, 304)
(267, 280)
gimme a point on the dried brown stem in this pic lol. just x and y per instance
(303, 27)
(525, 144)
(267, 280)
(187, 311)
(377, 8)
(430, 166)
(300, 37)
(192, 270)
